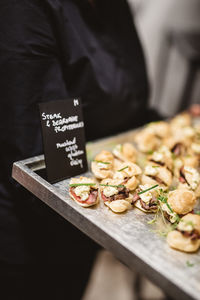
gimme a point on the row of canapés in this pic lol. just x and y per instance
(166, 179)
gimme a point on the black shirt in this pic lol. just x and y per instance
(55, 49)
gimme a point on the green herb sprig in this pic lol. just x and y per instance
(152, 187)
(122, 169)
(175, 224)
(162, 198)
(189, 264)
(80, 184)
(150, 152)
(153, 220)
(103, 162)
(174, 156)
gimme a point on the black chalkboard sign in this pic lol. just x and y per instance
(63, 138)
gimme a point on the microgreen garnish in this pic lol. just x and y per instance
(162, 233)
(173, 188)
(155, 166)
(153, 220)
(122, 169)
(162, 215)
(175, 224)
(197, 213)
(102, 162)
(162, 198)
(189, 264)
(117, 186)
(150, 152)
(80, 184)
(144, 191)
(174, 156)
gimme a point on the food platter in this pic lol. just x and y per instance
(128, 236)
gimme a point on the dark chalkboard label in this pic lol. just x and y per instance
(63, 138)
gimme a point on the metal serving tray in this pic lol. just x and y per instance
(127, 235)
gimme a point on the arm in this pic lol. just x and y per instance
(30, 73)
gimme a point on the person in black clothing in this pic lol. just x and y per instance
(49, 50)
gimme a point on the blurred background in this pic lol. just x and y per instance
(170, 34)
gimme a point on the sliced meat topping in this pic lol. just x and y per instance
(126, 179)
(166, 215)
(105, 199)
(136, 197)
(162, 164)
(91, 198)
(118, 158)
(193, 235)
(182, 178)
(123, 193)
(178, 149)
(157, 179)
(157, 162)
(151, 205)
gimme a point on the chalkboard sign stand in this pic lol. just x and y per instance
(63, 139)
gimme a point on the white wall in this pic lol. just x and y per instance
(154, 18)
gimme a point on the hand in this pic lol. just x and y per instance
(195, 110)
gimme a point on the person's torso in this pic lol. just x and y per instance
(104, 64)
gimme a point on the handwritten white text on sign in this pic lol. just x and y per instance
(61, 124)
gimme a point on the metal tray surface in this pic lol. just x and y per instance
(127, 235)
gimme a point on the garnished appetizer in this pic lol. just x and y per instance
(186, 134)
(180, 140)
(155, 174)
(147, 141)
(128, 174)
(145, 198)
(187, 160)
(84, 191)
(178, 145)
(190, 178)
(186, 237)
(160, 129)
(115, 195)
(166, 208)
(182, 201)
(125, 152)
(162, 157)
(102, 165)
(180, 121)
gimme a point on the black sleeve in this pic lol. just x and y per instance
(30, 73)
